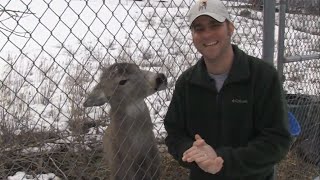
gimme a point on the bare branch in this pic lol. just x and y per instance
(15, 15)
(7, 29)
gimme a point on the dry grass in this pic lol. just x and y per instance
(74, 160)
(293, 167)
(171, 170)
(71, 161)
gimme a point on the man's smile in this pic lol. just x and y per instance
(210, 44)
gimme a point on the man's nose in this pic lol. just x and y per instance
(207, 32)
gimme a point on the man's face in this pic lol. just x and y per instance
(210, 37)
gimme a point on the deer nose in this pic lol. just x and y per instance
(161, 79)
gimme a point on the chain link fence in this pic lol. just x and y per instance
(52, 53)
(301, 55)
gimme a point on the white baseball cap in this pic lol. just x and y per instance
(212, 8)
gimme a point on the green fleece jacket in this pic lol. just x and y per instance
(245, 122)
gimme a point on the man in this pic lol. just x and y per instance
(227, 119)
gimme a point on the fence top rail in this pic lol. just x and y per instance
(301, 58)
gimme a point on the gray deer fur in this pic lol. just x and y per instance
(129, 143)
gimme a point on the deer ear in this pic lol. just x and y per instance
(115, 70)
(109, 72)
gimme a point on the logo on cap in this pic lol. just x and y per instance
(203, 4)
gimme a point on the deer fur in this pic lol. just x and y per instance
(129, 143)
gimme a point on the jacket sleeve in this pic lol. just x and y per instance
(272, 140)
(177, 140)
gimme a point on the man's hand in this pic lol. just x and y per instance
(204, 155)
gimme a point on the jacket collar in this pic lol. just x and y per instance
(239, 70)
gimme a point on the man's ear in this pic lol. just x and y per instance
(230, 28)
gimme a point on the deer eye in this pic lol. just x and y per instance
(122, 82)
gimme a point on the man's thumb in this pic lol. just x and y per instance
(198, 140)
(197, 137)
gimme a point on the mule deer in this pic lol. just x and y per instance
(129, 141)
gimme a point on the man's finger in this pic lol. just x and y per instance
(212, 167)
(198, 158)
(218, 161)
(193, 148)
(191, 155)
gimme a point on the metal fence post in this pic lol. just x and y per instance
(268, 30)
(280, 57)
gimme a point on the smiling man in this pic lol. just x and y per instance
(227, 119)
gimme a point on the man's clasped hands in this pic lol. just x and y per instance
(204, 155)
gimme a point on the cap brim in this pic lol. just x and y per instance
(213, 15)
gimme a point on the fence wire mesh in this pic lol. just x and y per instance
(51, 57)
(301, 82)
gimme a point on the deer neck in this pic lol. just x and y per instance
(135, 112)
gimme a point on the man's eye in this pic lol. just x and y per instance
(198, 28)
(214, 25)
(122, 82)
